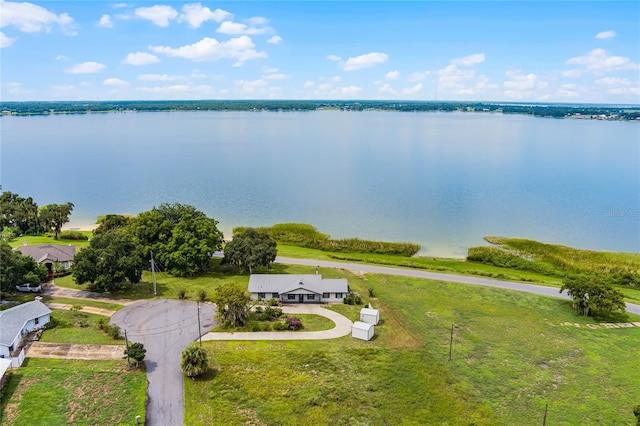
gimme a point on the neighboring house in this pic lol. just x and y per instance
(297, 288)
(17, 322)
(4, 366)
(50, 255)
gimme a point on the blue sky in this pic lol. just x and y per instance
(423, 50)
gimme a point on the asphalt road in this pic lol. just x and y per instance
(165, 328)
(465, 279)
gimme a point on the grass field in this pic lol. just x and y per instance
(511, 355)
(70, 332)
(61, 392)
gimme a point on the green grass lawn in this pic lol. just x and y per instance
(511, 356)
(310, 322)
(61, 392)
(83, 302)
(34, 240)
(69, 331)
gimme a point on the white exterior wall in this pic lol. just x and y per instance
(359, 332)
(4, 352)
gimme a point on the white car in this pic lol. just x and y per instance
(29, 288)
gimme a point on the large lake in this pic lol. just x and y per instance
(443, 180)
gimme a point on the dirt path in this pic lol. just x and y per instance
(342, 328)
(87, 309)
(75, 351)
(51, 289)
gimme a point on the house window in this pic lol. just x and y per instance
(261, 295)
(37, 321)
(275, 295)
(311, 296)
(326, 295)
(338, 295)
(291, 296)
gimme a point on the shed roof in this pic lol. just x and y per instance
(368, 311)
(13, 319)
(359, 325)
(283, 283)
(54, 252)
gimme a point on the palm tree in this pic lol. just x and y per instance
(194, 361)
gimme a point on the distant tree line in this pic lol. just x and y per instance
(534, 109)
(22, 216)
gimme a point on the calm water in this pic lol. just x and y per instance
(443, 180)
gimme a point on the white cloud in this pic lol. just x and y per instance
(235, 28)
(258, 20)
(5, 41)
(334, 58)
(392, 75)
(599, 60)
(619, 86)
(469, 60)
(105, 21)
(572, 73)
(349, 91)
(250, 86)
(414, 90)
(63, 87)
(209, 49)
(606, 34)
(115, 82)
(61, 58)
(365, 61)
(119, 6)
(419, 76)
(86, 68)
(525, 86)
(275, 39)
(31, 18)
(308, 84)
(195, 15)
(140, 58)
(276, 76)
(178, 91)
(159, 15)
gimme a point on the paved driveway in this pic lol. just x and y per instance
(165, 328)
(342, 328)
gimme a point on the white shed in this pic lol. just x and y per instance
(370, 316)
(362, 330)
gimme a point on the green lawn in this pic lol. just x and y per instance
(310, 322)
(83, 303)
(34, 240)
(69, 330)
(61, 392)
(511, 356)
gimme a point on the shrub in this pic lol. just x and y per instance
(265, 326)
(270, 313)
(352, 299)
(293, 323)
(372, 293)
(279, 326)
(259, 309)
(202, 295)
(73, 235)
(114, 332)
(274, 302)
(182, 293)
(255, 326)
(55, 322)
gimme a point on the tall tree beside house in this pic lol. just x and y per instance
(54, 216)
(111, 222)
(112, 260)
(250, 249)
(16, 268)
(18, 215)
(592, 294)
(181, 237)
(233, 305)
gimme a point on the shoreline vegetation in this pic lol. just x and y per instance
(574, 111)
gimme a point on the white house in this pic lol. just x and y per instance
(370, 316)
(17, 322)
(4, 366)
(298, 288)
(362, 330)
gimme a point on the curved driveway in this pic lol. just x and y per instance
(342, 328)
(165, 327)
(464, 279)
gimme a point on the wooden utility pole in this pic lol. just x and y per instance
(127, 344)
(153, 275)
(199, 330)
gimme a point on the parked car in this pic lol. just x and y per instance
(29, 288)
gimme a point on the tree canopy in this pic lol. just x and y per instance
(135, 351)
(181, 237)
(53, 216)
(591, 293)
(16, 268)
(112, 259)
(232, 304)
(249, 250)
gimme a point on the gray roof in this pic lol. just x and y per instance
(281, 283)
(368, 311)
(13, 319)
(54, 252)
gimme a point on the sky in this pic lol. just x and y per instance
(560, 51)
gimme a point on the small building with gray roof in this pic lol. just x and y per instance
(17, 322)
(298, 288)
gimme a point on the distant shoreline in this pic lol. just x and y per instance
(575, 111)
